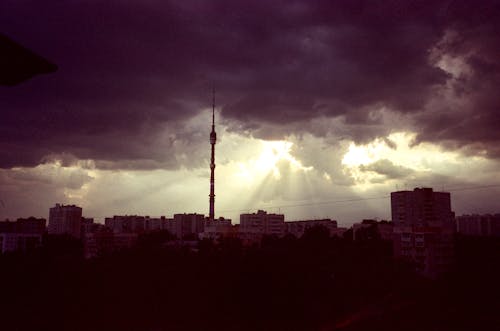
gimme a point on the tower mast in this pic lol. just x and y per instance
(213, 139)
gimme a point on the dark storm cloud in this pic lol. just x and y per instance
(472, 117)
(129, 71)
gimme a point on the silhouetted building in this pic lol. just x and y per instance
(254, 226)
(98, 242)
(87, 226)
(217, 229)
(7, 226)
(125, 224)
(31, 225)
(479, 225)
(421, 207)
(424, 228)
(297, 228)
(102, 241)
(187, 225)
(65, 219)
(157, 224)
(25, 234)
(373, 229)
(139, 224)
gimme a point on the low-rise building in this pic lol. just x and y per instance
(217, 229)
(373, 229)
(263, 223)
(487, 225)
(23, 235)
(186, 226)
(87, 226)
(125, 223)
(103, 241)
(157, 223)
(254, 226)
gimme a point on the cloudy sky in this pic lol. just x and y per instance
(323, 107)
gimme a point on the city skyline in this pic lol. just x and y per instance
(322, 108)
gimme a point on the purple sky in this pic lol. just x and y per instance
(123, 118)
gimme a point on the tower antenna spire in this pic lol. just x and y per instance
(213, 108)
(213, 140)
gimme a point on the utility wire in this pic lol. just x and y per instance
(473, 188)
(459, 189)
(310, 203)
(345, 200)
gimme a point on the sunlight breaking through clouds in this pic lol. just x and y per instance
(254, 174)
(397, 159)
(274, 152)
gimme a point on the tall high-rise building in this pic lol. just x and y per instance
(213, 140)
(65, 219)
(421, 207)
(424, 227)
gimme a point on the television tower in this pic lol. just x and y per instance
(213, 139)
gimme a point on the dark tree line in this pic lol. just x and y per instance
(312, 283)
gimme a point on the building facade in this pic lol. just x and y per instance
(187, 225)
(102, 241)
(217, 229)
(23, 235)
(125, 223)
(373, 229)
(157, 223)
(254, 226)
(424, 229)
(65, 219)
(479, 225)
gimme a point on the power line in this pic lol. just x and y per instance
(345, 200)
(474, 188)
(310, 203)
(354, 199)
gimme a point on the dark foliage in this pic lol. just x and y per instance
(312, 283)
(154, 239)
